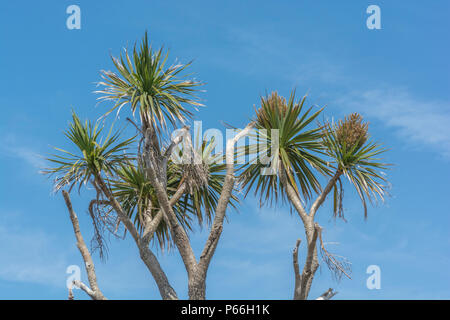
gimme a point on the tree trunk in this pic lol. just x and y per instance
(312, 261)
(147, 256)
(197, 287)
(303, 281)
(165, 289)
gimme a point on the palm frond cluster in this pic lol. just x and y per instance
(357, 157)
(94, 156)
(159, 94)
(297, 151)
(285, 137)
(305, 152)
(129, 183)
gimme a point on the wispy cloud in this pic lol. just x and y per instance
(418, 122)
(11, 146)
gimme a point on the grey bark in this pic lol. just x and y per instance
(94, 291)
(297, 275)
(330, 293)
(156, 168)
(304, 280)
(165, 289)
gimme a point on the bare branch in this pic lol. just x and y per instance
(151, 227)
(177, 140)
(293, 195)
(70, 293)
(298, 277)
(321, 198)
(228, 185)
(179, 234)
(165, 289)
(134, 124)
(327, 295)
(311, 248)
(295, 258)
(158, 179)
(95, 293)
(117, 207)
(86, 289)
(152, 263)
(311, 263)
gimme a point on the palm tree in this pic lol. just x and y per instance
(357, 157)
(332, 150)
(298, 150)
(153, 196)
(158, 93)
(97, 163)
(141, 185)
(95, 157)
(160, 96)
(122, 185)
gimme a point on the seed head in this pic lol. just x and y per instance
(271, 103)
(352, 131)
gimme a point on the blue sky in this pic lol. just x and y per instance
(397, 77)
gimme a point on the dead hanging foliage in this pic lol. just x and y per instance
(195, 176)
(338, 199)
(194, 169)
(338, 265)
(105, 221)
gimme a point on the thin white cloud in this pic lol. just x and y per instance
(11, 146)
(29, 156)
(418, 122)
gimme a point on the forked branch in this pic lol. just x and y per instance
(94, 291)
(228, 185)
(299, 285)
